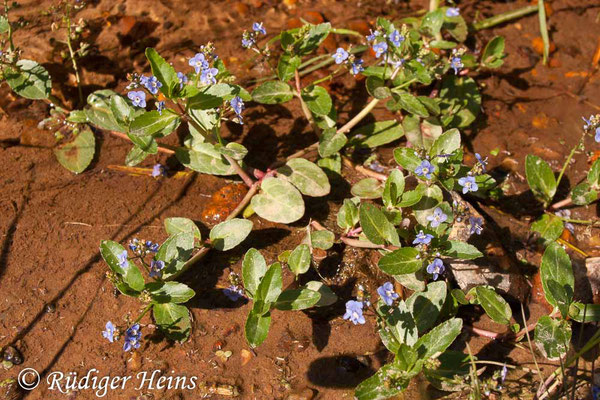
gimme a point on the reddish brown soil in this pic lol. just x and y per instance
(54, 296)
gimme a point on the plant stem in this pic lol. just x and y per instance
(504, 17)
(71, 52)
(10, 31)
(163, 148)
(543, 29)
(144, 311)
(305, 109)
(365, 171)
(537, 367)
(566, 164)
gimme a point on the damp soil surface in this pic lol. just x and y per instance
(55, 298)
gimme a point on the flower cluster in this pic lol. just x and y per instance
(592, 124)
(234, 293)
(249, 38)
(142, 247)
(456, 60)
(237, 106)
(354, 312)
(342, 56)
(132, 339)
(203, 64)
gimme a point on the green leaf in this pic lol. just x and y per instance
(121, 110)
(593, 176)
(461, 250)
(315, 35)
(368, 188)
(401, 261)
(169, 292)
(331, 142)
(135, 156)
(426, 306)
(347, 215)
(583, 194)
(257, 328)
(287, 66)
(299, 260)
(411, 104)
(233, 150)
(494, 305)
(163, 71)
(4, 25)
(432, 22)
(376, 226)
(272, 92)
(322, 239)
(377, 387)
(584, 312)
(269, 287)
(399, 322)
(442, 44)
(550, 227)
(204, 158)
(327, 296)
(175, 251)
(407, 158)
(215, 95)
(100, 113)
(377, 134)
(254, 268)
(173, 320)
(177, 225)
(438, 339)
(78, 154)
(31, 80)
(228, 234)
(393, 189)
(279, 201)
(493, 53)
(540, 178)
(131, 274)
(556, 266)
(306, 176)
(144, 126)
(447, 143)
(451, 374)
(317, 99)
(460, 101)
(552, 336)
(412, 197)
(377, 88)
(297, 299)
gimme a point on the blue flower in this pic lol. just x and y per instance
(153, 247)
(198, 62)
(436, 268)
(425, 169)
(208, 76)
(258, 27)
(109, 333)
(152, 84)
(160, 106)
(452, 12)
(387, 293)
(476, 225)
(373, 35)
(356, 67)
(380, 48)
(133, 336)
(138, 98)
(456, 64)
(183, 79)
(468, 183)
(354, 312)
(156, 268)
(133, 244)
(422, 238)
(340, 55)
(123, 262)
(503, 373)
(248, 42)
(482, 161)
(437, 217)
(233, 293)
(396, 38)
(157, 170)
(588, 123)
(237, 104)
(597, 137)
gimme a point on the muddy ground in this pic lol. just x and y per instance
(54, 297)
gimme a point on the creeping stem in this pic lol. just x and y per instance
(71, 52)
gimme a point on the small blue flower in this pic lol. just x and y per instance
(588, 123)
(387, 293)
(234, 293)
(373, 35)
(153, 247)
(183, 79)
(133, 244)
(248, 42)
(503, 373)
(380, 48)
(356, 67)
(340, 55)
(123, 261)
(597, 137)
(138, 98)
(208, 76)
(452, 12)
(476, 225)
(422, 238)
(482, 161)
(237, 105)
(258, 27)
(198, 62)
(468, 183)
(396, 38)
(160, 106)
(156, 268)
(425, 169)
(456, 64)
(152, 84)
(436, 268)
(158, 170)
(133, 336)
(354, 312)
(437, 217)
(109, 333)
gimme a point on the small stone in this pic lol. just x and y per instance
(302, 394)
(509, 164)
(538, 45)
(246, 356)
(134, 362)
(11, 354)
